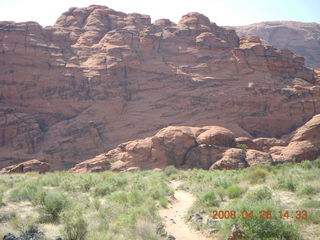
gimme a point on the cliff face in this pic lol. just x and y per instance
(301, 38)
(99, 77)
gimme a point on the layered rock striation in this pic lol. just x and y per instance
(299, 37)
(100, 77)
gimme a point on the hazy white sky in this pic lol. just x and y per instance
(222, 12)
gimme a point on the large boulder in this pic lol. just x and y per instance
(248, 142)
(96, 164)
(217, 136)
(233, 158)
(304, 143)
(202, 156)
(265, 144)
(254, 157)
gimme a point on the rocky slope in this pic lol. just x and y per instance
(99, 77)
(210, 147)
(301, 38)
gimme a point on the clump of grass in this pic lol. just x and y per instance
(209, 199)
(23, 191)
(234, 191)
(1, 198)
(287, 183)
(307, 189)
(52, 203)
(223, 182)
(74, 225)
(170, 171)
(221, 192)
(311, 204)
(163, 202)
(257, 175)
(306, 164)
(316, 163)
(262, 193)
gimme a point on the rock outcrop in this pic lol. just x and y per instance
(100, 77)
(33, 165)
(301, 38)
(209, 147)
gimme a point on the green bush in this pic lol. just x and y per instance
(316, 163)
(308, 190)
(163, 202)
(109, 185)
(257, 228)
(234, 191)
(311, 204)
(53, 203)
(244, 147)
(287, 183)
(262, 193)
(257, 175)
(222, 182)
(74, 226)
(170, 170)
(1, 198)
(23, 191)
(306, 164)
(221, 192)
(209, 199)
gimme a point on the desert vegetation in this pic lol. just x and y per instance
(110, 205)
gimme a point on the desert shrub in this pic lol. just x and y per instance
(96, 204)
(313, 217)
(6, 216)
(287, 183)
(308, 190)
(244, 147)
(257, 175)
(311, 204)
(257, 228)
(52, 203)
(145, 230)
(74, 225)
(221, 192)
(163, 202)
(23, 191)
(87, 182)
(209, 199)
(262, 193)
(316, 163)
(222, 182)
(234, 191)
(1, 198)
(306, 164)
(170, 170)
(109, 185)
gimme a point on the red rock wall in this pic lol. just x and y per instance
(100, 77)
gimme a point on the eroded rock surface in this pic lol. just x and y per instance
(299, 37)
(99, 77)
(33, 165)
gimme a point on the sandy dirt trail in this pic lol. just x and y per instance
(174, 216)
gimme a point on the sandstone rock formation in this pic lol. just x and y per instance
(180, 146)
(100, 77)
(301, 38)
(33, 165)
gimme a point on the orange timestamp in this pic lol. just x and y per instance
(247, 214)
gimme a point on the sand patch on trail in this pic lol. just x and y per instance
(174, 216)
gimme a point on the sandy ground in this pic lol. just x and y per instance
(174, 216)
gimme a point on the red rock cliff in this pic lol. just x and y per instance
(99, 77)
